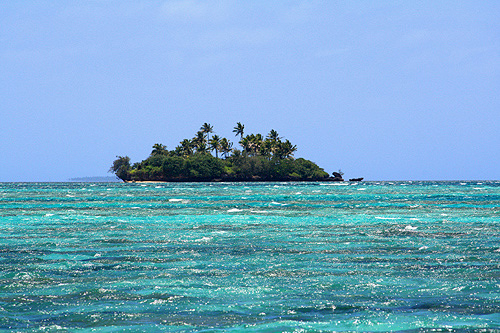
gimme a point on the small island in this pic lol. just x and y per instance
(259, 159)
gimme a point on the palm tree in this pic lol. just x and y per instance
(215, 144)
(206, 128)
(225, 146)
(273, 136)
(238, 129)
(187, 147)
(199, 142)
(202, 148)
(178, 151)
(286, 149)
(246, 144)
(159, 149)
(267, 148)
(252, 143)
(257, 143)
(198, 139)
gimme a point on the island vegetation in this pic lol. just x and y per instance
(260, 158)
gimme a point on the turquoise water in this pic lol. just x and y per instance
(256, 257)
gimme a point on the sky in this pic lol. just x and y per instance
(385, 90)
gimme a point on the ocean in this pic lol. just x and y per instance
(250, 257)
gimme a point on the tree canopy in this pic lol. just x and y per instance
(269, 158)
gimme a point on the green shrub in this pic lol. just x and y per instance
(308, 170)
(204, 167)
(174, 167)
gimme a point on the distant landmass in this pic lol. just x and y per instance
(98, 179)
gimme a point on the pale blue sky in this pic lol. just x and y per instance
(386, 90)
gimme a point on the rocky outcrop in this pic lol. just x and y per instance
(337, 177)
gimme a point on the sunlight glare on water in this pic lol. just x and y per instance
(250, 256)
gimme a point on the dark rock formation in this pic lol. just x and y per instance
(337, 177)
